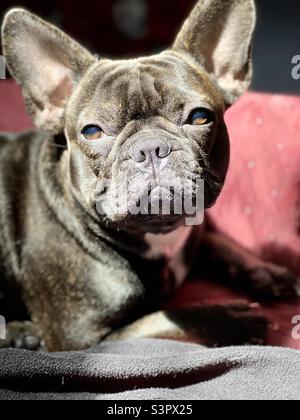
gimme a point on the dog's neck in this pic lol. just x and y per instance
(171, 247)
(167, 245)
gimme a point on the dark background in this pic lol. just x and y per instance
(134, 27)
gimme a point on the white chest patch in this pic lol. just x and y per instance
(171, 247)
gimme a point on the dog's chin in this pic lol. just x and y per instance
(141, 224)
(153, 224)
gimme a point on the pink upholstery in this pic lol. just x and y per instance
(12, 114)
(260, 205)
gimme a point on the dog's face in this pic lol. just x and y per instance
(144, 130)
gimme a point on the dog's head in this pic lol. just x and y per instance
(143, 130)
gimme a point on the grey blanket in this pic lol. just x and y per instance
(152, 369)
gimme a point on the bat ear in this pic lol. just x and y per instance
(218, 35)
(46, 63)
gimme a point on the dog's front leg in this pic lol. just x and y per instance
(86, 319)
(224, 259)
(22, 335)
(77, 304)
(214, 325)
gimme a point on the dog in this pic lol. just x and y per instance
(74, 255)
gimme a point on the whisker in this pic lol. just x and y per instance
(52, 143)
(211, 172)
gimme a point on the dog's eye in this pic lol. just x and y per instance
(92, 132)
(201, 117)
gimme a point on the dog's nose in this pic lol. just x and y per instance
(150, 150)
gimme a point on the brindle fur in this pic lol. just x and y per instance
(83, 277)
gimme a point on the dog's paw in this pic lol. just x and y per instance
(271, 281)
(240, 324)
(21, 335)
(224, 325)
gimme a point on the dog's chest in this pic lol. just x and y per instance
(172, 248)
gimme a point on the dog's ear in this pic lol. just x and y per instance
(218, 36)
(46, 63)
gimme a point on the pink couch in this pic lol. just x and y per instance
(260, 204)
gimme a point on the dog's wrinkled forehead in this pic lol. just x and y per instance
(114, 93)
(56, 72)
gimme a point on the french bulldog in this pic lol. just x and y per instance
(75, 258)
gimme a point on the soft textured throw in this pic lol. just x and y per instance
(152, 369)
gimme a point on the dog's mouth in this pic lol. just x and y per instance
(157, 200)
(157, 211)
(153, 225)
(150, 208)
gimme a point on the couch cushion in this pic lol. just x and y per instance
(12, 116)
(260, 204)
